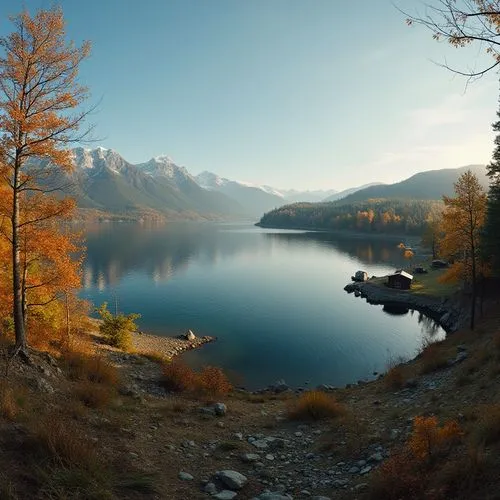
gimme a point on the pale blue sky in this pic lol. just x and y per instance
(291, 93)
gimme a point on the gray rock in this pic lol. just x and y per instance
(44, 386)
(353, 470)
(250, 457)
(210, 488)
(376, 457)
(274, 495)
(185, 476)
(220, 409)
(320, 498)
(279, 386)
(366, 470)
(225, 495)
(261, 444)
(232, 479)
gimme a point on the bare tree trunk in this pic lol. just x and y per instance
(474, 293)
(18, 312)
(68, 326)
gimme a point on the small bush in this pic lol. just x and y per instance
(211, 382)
(92, 395)
(315, 405)
(433, 358)
(429, 439)
(397, 478)
(94, 368)
(117, 329)
(487, 428)
(395, 378)
(63, 442)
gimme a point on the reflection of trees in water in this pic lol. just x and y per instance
(430, 327)
(114, 250)
(368, 251)
(117, 249)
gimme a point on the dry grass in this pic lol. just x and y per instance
(395, 378)
(432, 358)
(63, 442)
(93, 395)
(486, 429)
(93, 368)
(315, 405)
(8, 404)
(210, 382)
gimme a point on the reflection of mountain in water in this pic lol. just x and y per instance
(115, 250)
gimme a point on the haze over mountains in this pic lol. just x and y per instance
(104, 181)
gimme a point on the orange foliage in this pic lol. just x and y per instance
(38, 71)
(428, 439)
(462, 222)
(211, 382)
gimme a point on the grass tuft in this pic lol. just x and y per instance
(93, 368)
(315, 405)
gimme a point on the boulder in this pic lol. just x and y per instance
(220, 409)
(360, 276)
(232, 479)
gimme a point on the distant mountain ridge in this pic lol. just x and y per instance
(400, 207)
(428, 185)
(104, 181)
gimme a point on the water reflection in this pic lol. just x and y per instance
(115, 250)
(275, 300)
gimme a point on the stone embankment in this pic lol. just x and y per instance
(445, 311)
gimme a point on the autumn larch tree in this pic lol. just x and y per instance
(462, 225)
(39, 119)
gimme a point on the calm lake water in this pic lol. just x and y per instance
(273, 298)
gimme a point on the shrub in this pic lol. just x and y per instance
(179, 377)
(92, 395)
(315, 405)
(429, 439)
(487, 428)
(396, 478)
(63, 442)
(395, 378)
(93, 368)
(433, 358)
(212, 382)
(117, 329)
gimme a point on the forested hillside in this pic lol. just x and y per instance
(381, 216)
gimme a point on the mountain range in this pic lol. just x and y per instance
(104, 181)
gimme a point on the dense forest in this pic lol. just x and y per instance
(382, 216)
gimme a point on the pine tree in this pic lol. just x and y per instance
(491, 240)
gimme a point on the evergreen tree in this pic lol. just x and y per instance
(491, 241)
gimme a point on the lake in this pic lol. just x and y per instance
(274, 299)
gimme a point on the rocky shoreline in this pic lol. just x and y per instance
(447, 312)
(167, 347)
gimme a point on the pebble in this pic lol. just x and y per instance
(184, 476)
(225, 495)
